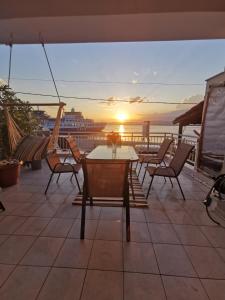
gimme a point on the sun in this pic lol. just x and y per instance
(121, 116)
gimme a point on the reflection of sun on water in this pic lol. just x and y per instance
(121, 130)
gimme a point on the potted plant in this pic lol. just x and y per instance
(113, 139)
(26, 121)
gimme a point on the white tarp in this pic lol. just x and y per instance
(213, 139)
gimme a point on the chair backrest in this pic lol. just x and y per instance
(74, 149)
(164, 148)
(105, 178)
(52, 159)
(180, 157)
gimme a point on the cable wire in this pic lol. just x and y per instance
(105, 100)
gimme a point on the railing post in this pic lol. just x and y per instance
(196, 155)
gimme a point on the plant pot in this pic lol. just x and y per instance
(9, 174)
(36, 165)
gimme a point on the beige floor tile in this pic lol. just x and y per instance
(18, 197)
(221, 252)
(106, 255)
(103, 285)
(138, 232)
(58, 228)
(10, 223)
(214, 288)
(5, 271)
(109, 230)
(163, 233)
(12, 251)
(10, 207)
(201, 218)
(173, 260)
(140, 257)
(90, 229)
(75, 253)
(56, 198)
(33, 226)
(179, 217)
(137, 215)
(43, 252)
(3, 238)
(191, 235)
(63, 284)
(139, 286)
(111, 213)
(26, 209)
(156, 216)
(92, 213)
(206, 261)
(24, 283)
(183, 288)
(215, 234)
(47, 210)
(68, 210)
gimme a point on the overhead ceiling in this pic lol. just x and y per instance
(69, 21)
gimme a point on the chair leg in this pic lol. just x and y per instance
(165, 166)
(180, 188)
(83, 213)
(171, 181)
(91, 201)
(144, 174)
(136, 166)
(127, 218)
(131, 185)
(150, 185)
(140, 168)
(58, 178)
(71, 177)
(78, 185)
(2, 206)
(50, 179)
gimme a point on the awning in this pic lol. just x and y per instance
(70, 21)
(191, 117)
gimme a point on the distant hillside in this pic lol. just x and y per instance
(165, 118)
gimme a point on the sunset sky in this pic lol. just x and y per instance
(158, 71)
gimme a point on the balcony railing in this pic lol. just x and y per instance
(89, 140)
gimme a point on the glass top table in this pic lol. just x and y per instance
(107, 152)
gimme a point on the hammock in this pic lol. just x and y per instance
(14, 132)
(55, 133)
(28, 148)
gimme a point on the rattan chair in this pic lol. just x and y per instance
(155, 159)
(58, 167)
(108, 180)
(174, 168)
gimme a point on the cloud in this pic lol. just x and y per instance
(109, 101)
(155, 73)
(137, 99)
(189, 101)
(136, 73)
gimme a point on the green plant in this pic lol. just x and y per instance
(22, 115)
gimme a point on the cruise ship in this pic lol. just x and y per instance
(72, 122)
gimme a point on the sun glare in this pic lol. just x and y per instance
(121, 116)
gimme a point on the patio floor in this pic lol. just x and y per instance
(175, 252)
